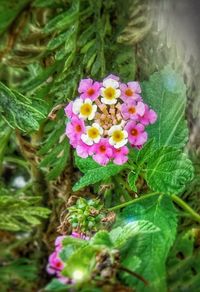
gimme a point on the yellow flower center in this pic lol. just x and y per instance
(109, 93)
(86, 109)
(93, 132)
(118, 136)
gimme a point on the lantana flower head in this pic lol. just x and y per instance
(107, 119)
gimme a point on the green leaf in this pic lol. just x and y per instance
(132, 265)
(165, 92)
(97, 174)
(166, 169)
(120, 235)
(63, 20)
(56, 286)
(85, 164)
(132, 177)
(101, 238)
(18, 213)
(55, 150)
(169, 170)
(17, 110)
(151, 248)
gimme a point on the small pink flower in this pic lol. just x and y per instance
(75, 128)
(103, 151)
(89, 89)
(83, 150)
(119, 155)
(149, 116)
(132, 109)
(55, 263)
(136, 133)
(68, 110)
(58, 243)
(131, 90)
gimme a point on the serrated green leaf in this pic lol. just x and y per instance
(166, 169)
(169, 170)
(97, 174)
(132, 177)
(120, 235)
(165, 92)
(152, 248)
(102, 238)
(85, 164)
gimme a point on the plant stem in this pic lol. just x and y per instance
(133, 201)
(186, 207)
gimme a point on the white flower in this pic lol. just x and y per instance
(110, 92)
(84, 108)
(118, 136)
(93, 134)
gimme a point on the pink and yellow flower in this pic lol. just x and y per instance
(131, 90)
(89, 89)
(118, 136)
(75, 128)
(106, 118)
(136, 133)
(149, 116)
(110, 91)
(132, 110)
(85, 109)
(120, 155)
(93, 134)
(102, 152)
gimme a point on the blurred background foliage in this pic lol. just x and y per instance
(46, 47)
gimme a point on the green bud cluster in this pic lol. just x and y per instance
(85, 216)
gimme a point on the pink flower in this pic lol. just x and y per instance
(132, 109)
(55, 263)
(89, 89)
(119, 155)
(131, 90)
(149, 116)
(79, 235)
(68, 110)
(136, 133)
(83, 150)
(103, 151)
(75, 128)
(58, 243)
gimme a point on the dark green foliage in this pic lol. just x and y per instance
(20, 213)
(19, 111)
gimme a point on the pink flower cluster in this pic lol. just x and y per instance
(106, 118)
(56, 265)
